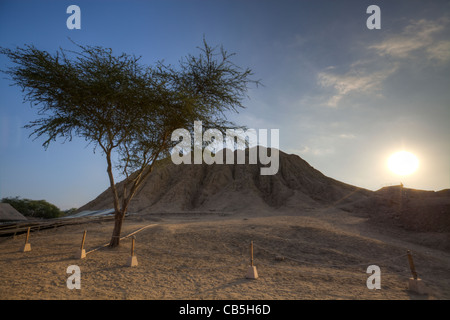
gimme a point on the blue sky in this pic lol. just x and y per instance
(343, 97)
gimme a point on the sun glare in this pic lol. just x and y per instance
(403, 163)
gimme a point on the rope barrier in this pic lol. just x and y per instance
(205, 255)
(180, 254)
(129, 235)
(336, 272)
(36, 235)
(339, 273)
(330, 265)
(245, 261)
(189, 255)
(41, 234)
(13, 229)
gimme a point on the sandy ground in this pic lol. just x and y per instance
(316, 254)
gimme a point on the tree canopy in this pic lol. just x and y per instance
(123, 107)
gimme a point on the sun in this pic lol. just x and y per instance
(403, 163)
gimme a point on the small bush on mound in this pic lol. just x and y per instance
(34, 208)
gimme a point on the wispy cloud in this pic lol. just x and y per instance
(418, 37)
(422, 39)
(356, 80)
(440, 51)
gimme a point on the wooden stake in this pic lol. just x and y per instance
(251, 253)
(81, 254)
(26, 247)
(132, 260)
(132, 245)
(252, 273)
(411, 265)
(82, 241)
(28, 235)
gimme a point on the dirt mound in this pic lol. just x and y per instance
(296, 186)
(411, 209)
(234, 187)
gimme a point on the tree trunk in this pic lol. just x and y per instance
(118, 220)
(118, 213)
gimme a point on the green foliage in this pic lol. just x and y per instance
(115, 102)
(126, 109)
(34, 208)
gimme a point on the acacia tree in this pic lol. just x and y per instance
(126, 109)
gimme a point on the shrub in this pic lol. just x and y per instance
(34, 208)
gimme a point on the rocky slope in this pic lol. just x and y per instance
(234, 187)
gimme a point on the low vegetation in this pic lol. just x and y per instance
(34, 208)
